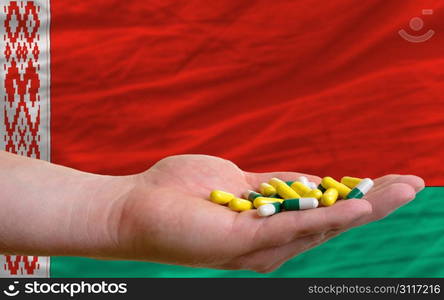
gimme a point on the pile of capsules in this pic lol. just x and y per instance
(278, 195)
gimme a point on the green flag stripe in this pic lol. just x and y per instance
(408, 243)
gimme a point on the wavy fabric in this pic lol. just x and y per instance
(293, 85)
(329, 88)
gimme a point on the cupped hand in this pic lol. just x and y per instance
(168, 218)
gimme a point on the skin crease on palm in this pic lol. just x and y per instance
(164, 215)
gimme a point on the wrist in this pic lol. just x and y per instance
(102, 216)
(49, 209)
(62, 212)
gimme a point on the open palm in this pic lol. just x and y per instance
(169, 219)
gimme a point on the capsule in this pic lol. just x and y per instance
(269, 209)
(304, 180)
(321, 188)
(238, 204)
(221, 197)
(343, 190)
(315, 193)
(351, 182)
(289, 182)
(329, 197)
(312, 185)
(361, 189)
(267, 189)
(283, 189)
(251, 195)
(300, 188)
(300, 203)
(259, 201)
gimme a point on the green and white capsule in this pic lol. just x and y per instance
(300, 203)
(269, 209)
(251, 195)
(361, 189)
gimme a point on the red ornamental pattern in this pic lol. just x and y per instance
(22, 100)
(13, 264)
(22, 83)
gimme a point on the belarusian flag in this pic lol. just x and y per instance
(323, 87)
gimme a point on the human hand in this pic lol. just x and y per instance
(167, 216)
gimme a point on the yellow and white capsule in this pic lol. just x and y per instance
(259, 201)
(300, 188)
(351, 182)
(238, 204)
(329, 197)
(312, 185)
(221, 197)
(304, 180)
(267, 189)
(314, 193)
(343, 190)
(283, 189)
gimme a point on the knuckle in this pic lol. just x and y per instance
(334, 224)
(328, 222)
(240, 263)
(332, 233)
(246, 263)
(315, 239)
(283, 240)
(262, 268)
